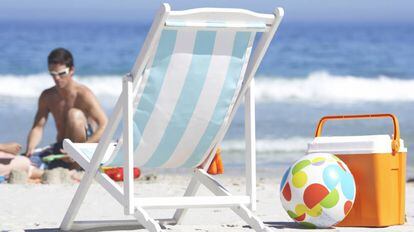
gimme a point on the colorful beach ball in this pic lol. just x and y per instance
(318, 190)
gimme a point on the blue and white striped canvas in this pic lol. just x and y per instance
(186, 95)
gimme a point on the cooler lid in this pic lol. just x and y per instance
(365, 144)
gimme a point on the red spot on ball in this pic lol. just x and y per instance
(301, 217)
(347, 207)
(287, 194)
(314, 194)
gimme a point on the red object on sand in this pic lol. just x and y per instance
(117, 173)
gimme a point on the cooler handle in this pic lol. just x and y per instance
(395, 143)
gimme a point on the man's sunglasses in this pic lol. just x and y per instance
(61, 73)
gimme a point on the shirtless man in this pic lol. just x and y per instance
(74, 107)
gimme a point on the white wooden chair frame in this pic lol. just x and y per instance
(241, 205)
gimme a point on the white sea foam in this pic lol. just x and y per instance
(30, 86)
(325, 87)
(320, 87)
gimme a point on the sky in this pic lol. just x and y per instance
(393, 11)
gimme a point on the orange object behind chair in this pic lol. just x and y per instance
(378, 165)
(216, 167)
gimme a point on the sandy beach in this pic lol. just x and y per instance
(41, 207)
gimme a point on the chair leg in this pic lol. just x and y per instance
(191, 191)
(75, 205)
(248, 216)
(144, 219)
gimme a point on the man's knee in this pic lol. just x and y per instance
(76, 116)
(75, 125)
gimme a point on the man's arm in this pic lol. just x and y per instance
(12, 148)
(36, 132)
(96, 113)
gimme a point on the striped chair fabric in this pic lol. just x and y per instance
(186, 94)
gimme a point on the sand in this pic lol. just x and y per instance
(41, 207)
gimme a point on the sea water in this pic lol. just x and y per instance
(310, 70)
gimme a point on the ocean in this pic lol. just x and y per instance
(310, 70)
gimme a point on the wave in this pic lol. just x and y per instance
(30, 86)
(321, 87)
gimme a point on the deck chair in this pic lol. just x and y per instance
(192, 73)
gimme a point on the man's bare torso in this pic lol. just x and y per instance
(60, 104)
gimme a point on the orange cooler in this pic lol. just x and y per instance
(378, 164)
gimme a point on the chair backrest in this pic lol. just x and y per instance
(189, 82)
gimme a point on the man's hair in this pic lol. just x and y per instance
(60, 56)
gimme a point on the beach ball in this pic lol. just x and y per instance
(318, 190)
